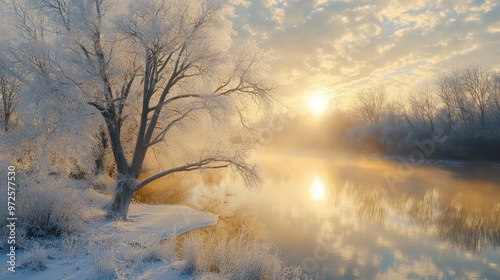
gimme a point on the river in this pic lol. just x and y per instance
(365, 218)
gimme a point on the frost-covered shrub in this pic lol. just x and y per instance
(51, 208)
(465, 145)
(103, 183)
(364, 138)
(104, 252)
(73, 244)
(114, 259)
(104, 263)
(35, 258)
(151, 248)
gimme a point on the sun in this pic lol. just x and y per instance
(318, 104)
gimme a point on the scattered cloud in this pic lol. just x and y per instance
(348, 45)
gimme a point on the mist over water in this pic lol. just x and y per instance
(347, 215)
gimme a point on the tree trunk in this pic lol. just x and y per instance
(121, 200)
(126, 178)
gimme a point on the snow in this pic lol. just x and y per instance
(164, 220)
(81, 268)
(145, 219)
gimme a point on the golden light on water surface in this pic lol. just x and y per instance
(317, 189)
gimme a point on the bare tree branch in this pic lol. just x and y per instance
(248, 173)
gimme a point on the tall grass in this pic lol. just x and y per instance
(233, 257)
(36, 258)
(232, 249)
(172, 189)
(52, 208)
(114, 259)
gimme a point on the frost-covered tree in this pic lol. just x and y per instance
(369, 104)
(156, 71)
(9, 88)
(468, 95)
(425, 107)
(479, 85)
(496, 94)
(56, 129)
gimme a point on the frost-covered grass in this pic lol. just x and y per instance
(232, 249)
(35, 258)
(51, 206)
(152, 248)
(233, 257)
(51, 210)
(113, 258)
(105, 255)
(55, 207)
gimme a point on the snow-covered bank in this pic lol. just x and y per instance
(164, 220)
(129, 239)
(137, 250)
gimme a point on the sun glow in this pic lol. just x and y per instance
(318, 104)
(317, 189)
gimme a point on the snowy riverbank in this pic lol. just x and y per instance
(115, 249)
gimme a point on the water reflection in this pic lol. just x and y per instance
(431, 225)
(317, 189)
(454, 217)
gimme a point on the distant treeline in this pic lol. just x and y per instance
(457, 117)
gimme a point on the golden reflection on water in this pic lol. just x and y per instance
(433, 218)
(317, 189)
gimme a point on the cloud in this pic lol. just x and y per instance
(347, 45)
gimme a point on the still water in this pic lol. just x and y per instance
(376, 219)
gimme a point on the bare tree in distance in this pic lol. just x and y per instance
(162, 64)
(479, 86)
(496, 95)
(467, 94)
(425, 105)
(9, 88)
(369, 104)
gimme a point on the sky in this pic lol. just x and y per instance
(336, 48)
